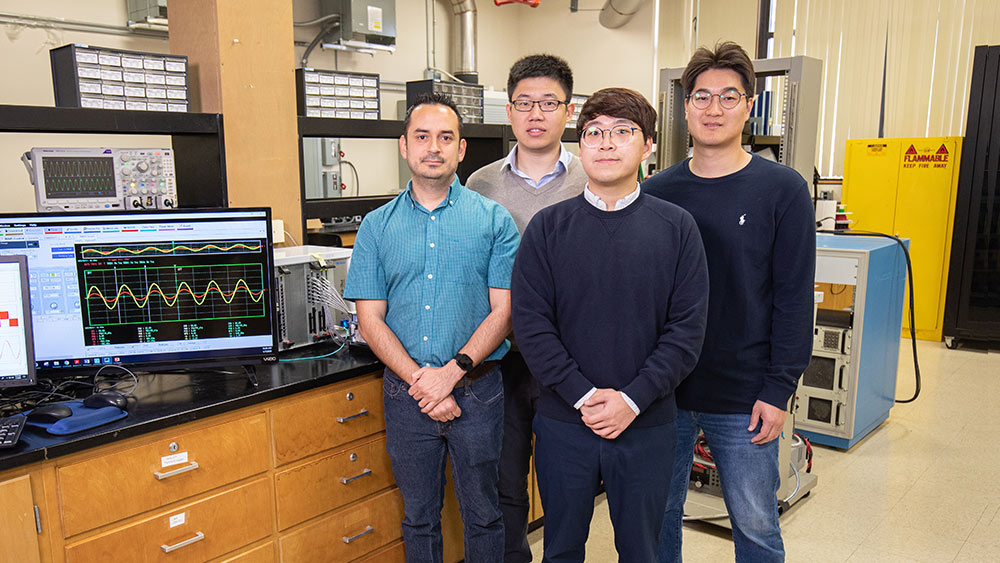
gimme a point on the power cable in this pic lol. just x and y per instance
(909, 277)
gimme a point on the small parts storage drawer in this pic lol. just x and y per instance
(108, 488)
(328, 419)
(324, 484)
(347, 534)
(198, 531)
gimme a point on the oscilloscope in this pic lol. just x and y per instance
(17, 359)
(82, 179)
(149, 287)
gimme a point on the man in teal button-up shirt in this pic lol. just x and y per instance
(430, 275)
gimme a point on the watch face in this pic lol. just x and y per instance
(463, 361)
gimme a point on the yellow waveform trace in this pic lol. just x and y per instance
(173, 249)
(141, 303)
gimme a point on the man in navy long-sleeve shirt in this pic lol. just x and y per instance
(609, 298)
(756, 220)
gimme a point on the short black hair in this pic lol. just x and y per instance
(432, 99)
(727, 56)
(618, 102)
(541, 66)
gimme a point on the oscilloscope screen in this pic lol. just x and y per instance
(153, 287)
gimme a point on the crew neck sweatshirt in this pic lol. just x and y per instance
(758, 228)
(610, 299)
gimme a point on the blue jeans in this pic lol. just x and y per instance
(417, 446)
(749, 477)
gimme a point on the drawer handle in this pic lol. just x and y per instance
(368, 530)
(178, 471)
(365, 473)
(198, 536)
(343, 419)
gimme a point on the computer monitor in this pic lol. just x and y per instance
(17, 358)
(152, 289)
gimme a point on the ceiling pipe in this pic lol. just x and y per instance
(617, 13)
(464, 40)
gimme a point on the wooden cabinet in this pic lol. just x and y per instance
(260, 554)
(347, 534)
(394, 553)
(320, 421)
(107, 488)
(318, 486)
(17, 522)
(198, 531)
(301, 478)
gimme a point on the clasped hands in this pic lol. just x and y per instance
(432, 387)
(607, 413)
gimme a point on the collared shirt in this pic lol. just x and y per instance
(622, 203)
(434, 268)
(560, 167)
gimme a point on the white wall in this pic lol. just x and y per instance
(24, 64)
(600, 58)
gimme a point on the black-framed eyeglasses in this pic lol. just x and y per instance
(620, 135)
(728, 99)
(544, 105)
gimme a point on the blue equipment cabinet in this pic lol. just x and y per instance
(850, 384)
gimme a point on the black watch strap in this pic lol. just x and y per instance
(464, 362)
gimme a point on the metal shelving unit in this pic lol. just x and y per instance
(798, 105)
(485, 144)
(197, 140)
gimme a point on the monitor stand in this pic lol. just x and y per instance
(251, 373)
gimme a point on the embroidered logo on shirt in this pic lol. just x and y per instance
(743, 218)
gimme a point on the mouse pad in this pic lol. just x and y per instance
(83, 418)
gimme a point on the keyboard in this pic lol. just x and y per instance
(10, 430)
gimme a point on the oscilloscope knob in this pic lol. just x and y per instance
(142, 166)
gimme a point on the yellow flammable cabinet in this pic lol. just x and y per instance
(907, 187)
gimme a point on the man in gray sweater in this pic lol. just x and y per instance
(537, 173)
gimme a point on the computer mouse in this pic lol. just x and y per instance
(106, 399)
(50, 413)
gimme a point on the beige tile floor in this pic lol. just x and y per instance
(923, 487)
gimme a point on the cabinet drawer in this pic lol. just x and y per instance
(316, 487)
(347, 534)
(327, 420)
(262, 554)
(108, 488)
(392, 554)
(217, 524)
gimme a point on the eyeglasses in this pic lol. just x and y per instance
(620, 135)
(544, 105)
(729, 99)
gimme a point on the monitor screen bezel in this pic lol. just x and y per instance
(237, 357)
(29, 344)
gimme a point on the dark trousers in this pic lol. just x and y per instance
(571, 462)
(520, 391)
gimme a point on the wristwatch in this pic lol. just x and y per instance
(464, 362)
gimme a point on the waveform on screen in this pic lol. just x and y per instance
(10, 351)
(171, 299)
(172, 249)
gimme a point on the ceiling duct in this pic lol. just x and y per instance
(617, 13)
(464, 38)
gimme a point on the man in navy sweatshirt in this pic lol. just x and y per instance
(756, 219)
(609, 299)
